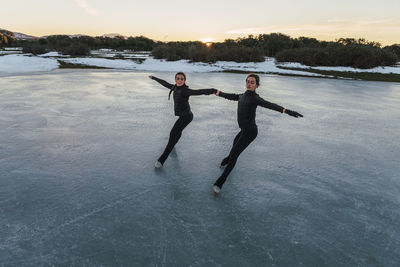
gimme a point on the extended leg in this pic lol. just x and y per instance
(244, 140)
(175, 135)
(226, 160)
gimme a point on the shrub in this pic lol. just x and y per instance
(351, 54)
(395, 49)
(196, 51)
(76, 49)
(34, 48)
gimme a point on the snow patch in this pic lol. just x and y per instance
(384, 70)
(51, 54)
(23, 63)
(151, 64)
(142, 61)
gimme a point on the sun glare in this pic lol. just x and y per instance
(207, 41)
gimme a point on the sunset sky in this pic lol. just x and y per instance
(217, 20)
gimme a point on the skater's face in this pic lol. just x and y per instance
(180, 80)
(251, 84)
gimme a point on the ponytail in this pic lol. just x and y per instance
(170, 91)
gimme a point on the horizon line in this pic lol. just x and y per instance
(200, 39)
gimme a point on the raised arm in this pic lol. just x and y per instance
(162, 82)
(262, 102)
(234, 97)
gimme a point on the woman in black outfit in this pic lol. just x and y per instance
(246, 114)
(181, 94)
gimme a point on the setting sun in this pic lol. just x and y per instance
(207, 41)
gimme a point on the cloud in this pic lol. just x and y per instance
(347, 26)
(87, 7)
(385, 30)
(246, 31)
(333, 26)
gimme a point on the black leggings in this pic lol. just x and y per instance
(175, 134)
(241, 141)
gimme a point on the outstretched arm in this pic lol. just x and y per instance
(266, 104)
(262, 102)
(162, 82)
(201, 91)
(234, 97)
(292, 113)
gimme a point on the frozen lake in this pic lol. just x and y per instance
(78, 186)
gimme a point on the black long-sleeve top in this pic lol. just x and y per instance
(181, 96)
(247, 105)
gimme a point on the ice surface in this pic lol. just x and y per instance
(78, 185)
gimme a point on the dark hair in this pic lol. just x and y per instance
(255, 76)
(178, 73)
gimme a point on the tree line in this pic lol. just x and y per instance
(6, 38)
(82, 45)
(200, 52)
(350, 52)
(347, 52)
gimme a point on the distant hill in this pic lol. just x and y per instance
(114, 35)
(6, 37)
(18, 35)
(23, 36)
(108, 35)
(70, 35)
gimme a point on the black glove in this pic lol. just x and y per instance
(293, 113)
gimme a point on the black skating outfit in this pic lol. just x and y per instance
(246, 115)
(181, 96)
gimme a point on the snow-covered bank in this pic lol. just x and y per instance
(151, 64)
(11, 50)
(127, 54)
(52, 54)
(14, 64)
(384, 70)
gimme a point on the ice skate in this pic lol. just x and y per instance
(158, 164)
(216, 189)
